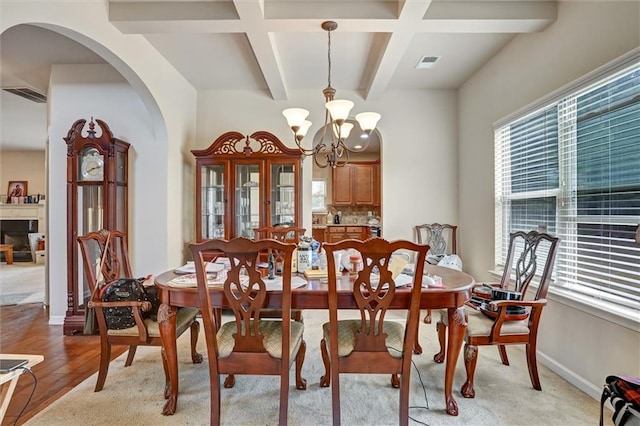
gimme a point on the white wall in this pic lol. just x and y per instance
(585, 36)
(23, 165)
(418, 153)
(99, 91)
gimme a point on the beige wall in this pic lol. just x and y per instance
(23, 165)
(578, 341)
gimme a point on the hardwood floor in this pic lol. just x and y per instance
(68, 360)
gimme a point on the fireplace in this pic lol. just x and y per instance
(16, 233)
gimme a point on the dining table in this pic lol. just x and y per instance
(454, 292)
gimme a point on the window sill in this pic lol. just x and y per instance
(627, 318)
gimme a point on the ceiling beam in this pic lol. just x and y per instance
(262, 42)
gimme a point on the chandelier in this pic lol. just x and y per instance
(331, 150)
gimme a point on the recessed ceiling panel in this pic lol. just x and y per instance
(304, 59)
(212, 61)
(460, 55)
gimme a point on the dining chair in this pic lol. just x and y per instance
(442, 238)
(286, 234)
(105, 258)
(531, 255)
(371, 344)
(248, 344)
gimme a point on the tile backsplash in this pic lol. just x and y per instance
(350, 215)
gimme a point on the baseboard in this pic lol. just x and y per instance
(591, 389)
(56, 319)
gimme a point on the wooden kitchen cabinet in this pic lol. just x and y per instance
(339, 233)
(355, 184)
(318, 234)
(342, 184)
(377, 185)
(244, 183)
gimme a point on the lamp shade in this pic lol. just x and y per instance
(345, 130)
(339, 109)
(295, 116)
(368, 120)
(302, 131)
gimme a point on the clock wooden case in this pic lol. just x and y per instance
(244, 183)
(97, 197)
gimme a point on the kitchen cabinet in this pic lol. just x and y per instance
(377, 184)
(355, 184)
(339, 233)
(246, 182)
(318, 234)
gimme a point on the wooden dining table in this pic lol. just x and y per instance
(452, 296)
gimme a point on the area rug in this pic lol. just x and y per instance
(504, 395)
(22, 282)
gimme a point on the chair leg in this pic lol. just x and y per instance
(105, 357)
(301, 383)
(470, 360)
(130, 355)
(442, 339)
(404, 401)
(196, 358)
(326, 379)
(427, 318)
(214, 387)
(230, 381)
(502, 349)
(417, 349)
(532, 363)
(395, 381)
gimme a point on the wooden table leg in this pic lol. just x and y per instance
(167, 325)
(457, 329)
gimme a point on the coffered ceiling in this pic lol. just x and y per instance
(278, 46)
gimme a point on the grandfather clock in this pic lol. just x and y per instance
(97, 197)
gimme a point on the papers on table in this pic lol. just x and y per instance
(401, 280)
(276, 283)
(190, 280)
(190, 268)
(217, 280)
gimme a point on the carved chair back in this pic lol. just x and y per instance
(441, 238)
(530, 253)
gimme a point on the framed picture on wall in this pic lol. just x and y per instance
(16, 189)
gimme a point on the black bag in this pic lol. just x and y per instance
(624, 394)
(127, 289)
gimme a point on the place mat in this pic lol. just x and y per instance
(276, 283)
(190, 280)
(190, 268)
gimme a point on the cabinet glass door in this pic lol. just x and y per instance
(213, 206)
(247, 199)
(283, 193)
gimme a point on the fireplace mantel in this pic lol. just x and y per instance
(24, 212)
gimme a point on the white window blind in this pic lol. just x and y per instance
(572, 168)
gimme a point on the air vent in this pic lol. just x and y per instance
(27, 93)
(427, 62)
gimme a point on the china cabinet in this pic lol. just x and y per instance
(244, 183)
(97, 197)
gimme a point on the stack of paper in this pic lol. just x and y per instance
(190, 268)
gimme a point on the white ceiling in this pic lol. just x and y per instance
(279, 46)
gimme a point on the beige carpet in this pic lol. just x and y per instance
(504, 395)
(21, 282)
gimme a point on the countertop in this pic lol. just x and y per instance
(326, 225)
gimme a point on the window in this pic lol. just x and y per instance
(572, 168)
(319, 195)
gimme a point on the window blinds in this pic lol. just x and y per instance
(572, 169)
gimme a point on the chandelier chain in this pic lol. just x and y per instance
(329, 58)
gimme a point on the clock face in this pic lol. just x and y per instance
(92, 165)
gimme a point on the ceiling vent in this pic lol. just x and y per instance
(27, 93)
(426, 62)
